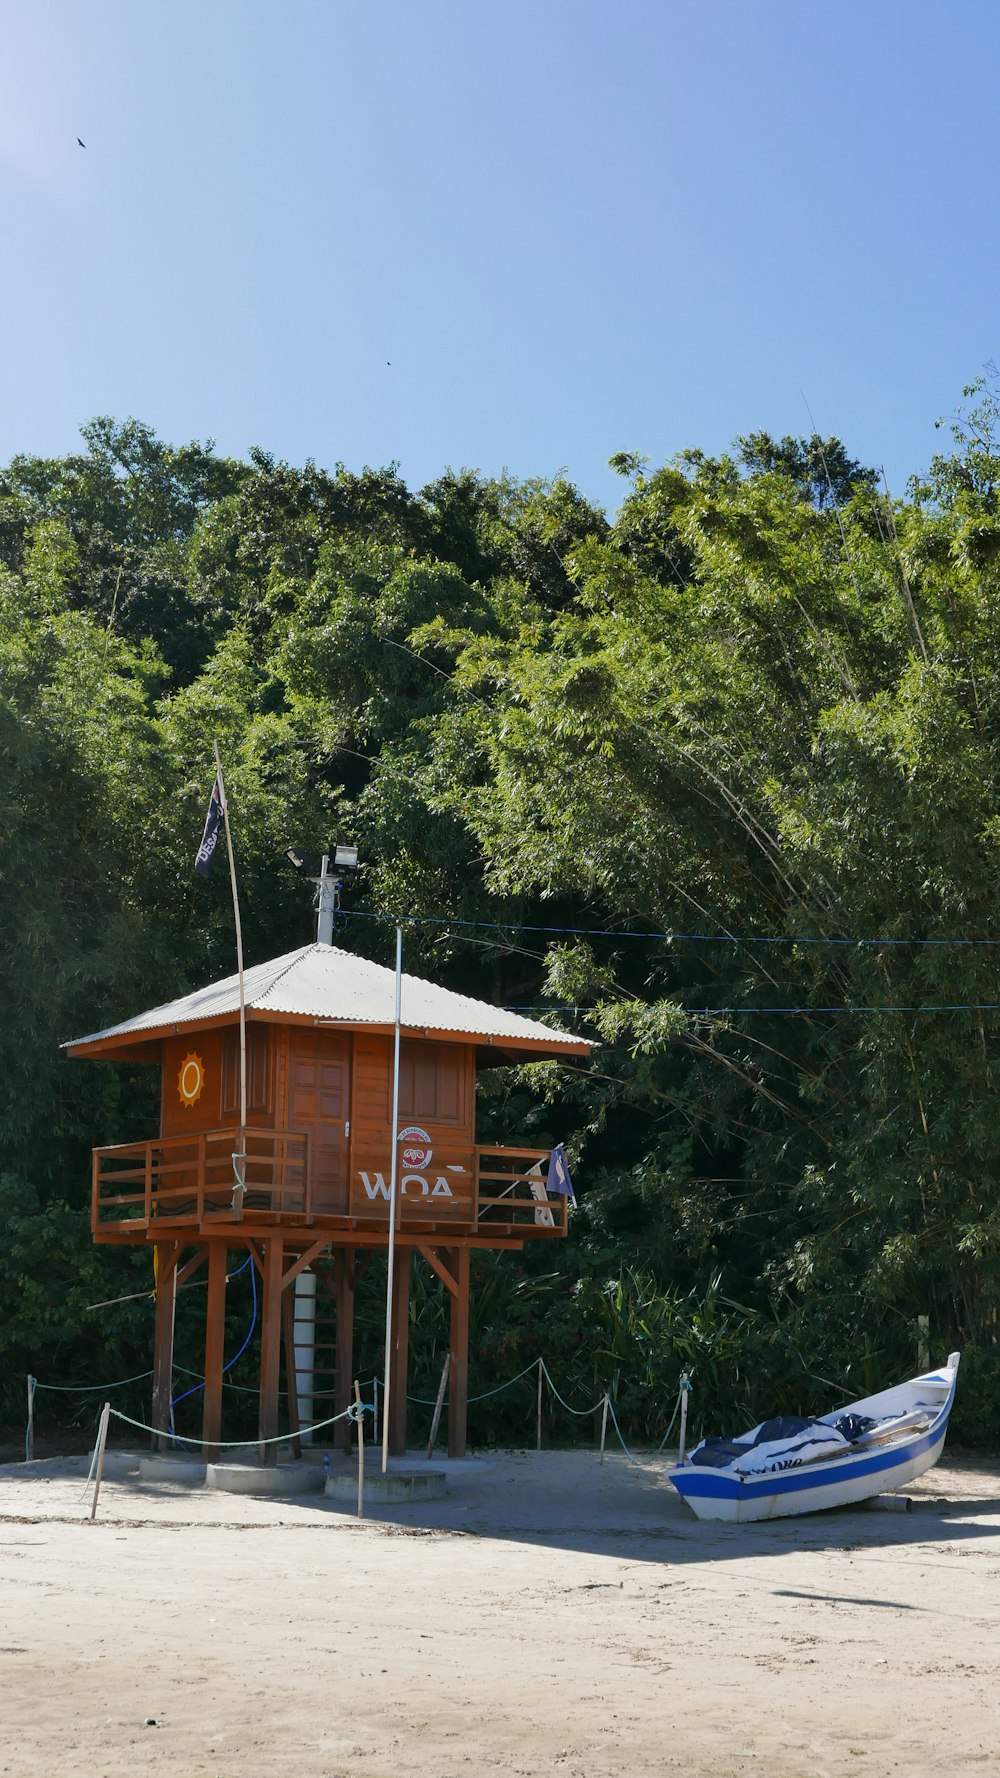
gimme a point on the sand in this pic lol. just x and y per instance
(550, 1616)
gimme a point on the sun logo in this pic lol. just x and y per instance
(191, 1079)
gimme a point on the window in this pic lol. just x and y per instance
(432, 1083)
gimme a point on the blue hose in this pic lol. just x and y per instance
(253, 1323)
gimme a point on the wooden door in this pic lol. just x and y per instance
(319, 1097)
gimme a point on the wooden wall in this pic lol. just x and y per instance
(437, 1103)
(337, 1087)
(215, 1054)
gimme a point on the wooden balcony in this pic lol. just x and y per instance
(184, 1186)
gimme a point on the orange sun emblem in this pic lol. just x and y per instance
(191, 1079)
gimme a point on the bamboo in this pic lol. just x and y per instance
(102, 1439)
(361, 1450)
(240, 1159)
(438, 1405)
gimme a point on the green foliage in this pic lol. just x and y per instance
(760, 706)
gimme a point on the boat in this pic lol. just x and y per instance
(873, 1446)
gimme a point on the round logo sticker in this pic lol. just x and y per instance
(416, 1148)
(191, 1079)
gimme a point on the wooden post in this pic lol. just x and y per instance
(215, 1340)
(361, 1449)
(167, 1256)
(399, 1357)
(29, 1443)
(604, 1424)
(682, 1439)
(102, 1439)
(923, 1343)
(343, 1357)
(458, 1379)
(438, 1405)
(270, 1347)
(288, 1337)
(538, 1415)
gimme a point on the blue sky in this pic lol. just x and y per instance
(517, 234)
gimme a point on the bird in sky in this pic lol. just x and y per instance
(82, 144)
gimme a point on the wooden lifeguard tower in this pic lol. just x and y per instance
(305, 1182)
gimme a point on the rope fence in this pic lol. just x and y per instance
(538, 1367)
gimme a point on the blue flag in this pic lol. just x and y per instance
(210, 837)
(559, 1179)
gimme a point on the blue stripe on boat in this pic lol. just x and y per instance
(713, 1484)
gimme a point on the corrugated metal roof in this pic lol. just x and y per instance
(322, 982)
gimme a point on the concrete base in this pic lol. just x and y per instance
(120, 1464)
(399, 1486)
(163, 1466)
(252, 1478)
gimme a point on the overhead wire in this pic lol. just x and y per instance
(709, 938)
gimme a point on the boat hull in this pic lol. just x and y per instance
(813, 1487)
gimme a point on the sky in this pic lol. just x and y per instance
(511, 235)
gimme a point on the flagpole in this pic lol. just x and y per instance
(393, 1169)
(240, 1159)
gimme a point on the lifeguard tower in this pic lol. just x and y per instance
(311, 1188)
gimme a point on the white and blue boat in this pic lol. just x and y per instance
(782, 1468)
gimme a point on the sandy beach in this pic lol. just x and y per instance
(550, 1615)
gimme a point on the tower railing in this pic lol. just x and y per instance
(144, 1189)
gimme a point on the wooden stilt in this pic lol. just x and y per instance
(458, 1377)
(399, 1357)
(344, 1353)
(167, 1256)
(291, 1381)
(215, 1339)
(270, 1346)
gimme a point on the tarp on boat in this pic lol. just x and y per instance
(774, 1445)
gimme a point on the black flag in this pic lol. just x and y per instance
(210, 837)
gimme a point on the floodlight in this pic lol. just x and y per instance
(345, 858)
(301, 860)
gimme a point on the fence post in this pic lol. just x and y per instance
(923, 1342)
(361, 1451)
(29, 1443)
(102, 1439)
(684, 1417)
(438, 1405)
(538, 1416)
(604, 1424)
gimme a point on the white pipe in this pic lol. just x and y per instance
(326, 904)
(304, 1346)
(393, 1170)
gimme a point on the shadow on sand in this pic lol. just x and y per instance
(568, 1500)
